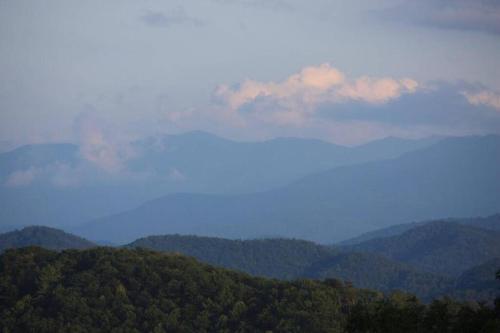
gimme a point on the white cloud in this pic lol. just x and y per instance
(322, 102)
(374, 91)
(485, 97)
(292, 101)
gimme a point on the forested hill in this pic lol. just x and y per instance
(276, 258)
(440, 247)
(292, 259)
(120, 290)
(46, 237)
(477, 282)
(491, 222)
(367, 270)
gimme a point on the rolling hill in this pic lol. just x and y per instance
(440, 247)
(295, 259)
(490, 222)
(291, 259)
(44, 237)
(372, 271)
(478, 282)
(274, 258)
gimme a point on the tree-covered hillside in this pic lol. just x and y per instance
(275, 258)
(46, 237)
(439, 247)
(292, 259)
(478, 282)
(120, 290)
(491, 222)
(366, 270)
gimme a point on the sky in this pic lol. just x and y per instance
(343, 71)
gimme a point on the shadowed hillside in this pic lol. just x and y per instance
(490, 222)
(44, 237)
(104, 290)
(440, 247)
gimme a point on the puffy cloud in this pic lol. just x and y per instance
(308, 86)
(377, 90)
(294, 100)
(322, 102)
(484, 97)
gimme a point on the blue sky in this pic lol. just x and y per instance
(343, 71)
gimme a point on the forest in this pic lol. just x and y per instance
(138, 290)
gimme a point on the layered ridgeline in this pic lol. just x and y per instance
(476, 283)
(441, 247)
(45, 237)
(274, 258)
(63, 184)
(454, 177)
(105, 290)
(489, 222)
(294, 259)
(432, 259)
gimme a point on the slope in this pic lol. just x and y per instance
(440, 247)
(44, 237)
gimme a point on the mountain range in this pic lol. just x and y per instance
(365, 268)
(64, 184)
(454, 177)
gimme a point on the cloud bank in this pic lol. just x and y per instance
(323, 102)
(292, 101)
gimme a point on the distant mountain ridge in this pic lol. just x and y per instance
(63, 188)
(455, 177)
